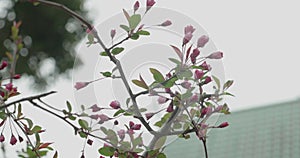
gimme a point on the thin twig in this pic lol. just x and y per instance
(26, 99)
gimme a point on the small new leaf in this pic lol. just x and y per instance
(124, 27)
(107, 151)
(157, 75)
(106, 74)
(83, 124)
(117, 50)
(134, 21)
(143, 32)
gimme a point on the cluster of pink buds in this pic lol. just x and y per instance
(133, 127)
(13, 139)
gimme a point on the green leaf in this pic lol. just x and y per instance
(143, 32)
(119, 112)
(19, 111)
(82, 134)
(135, 36)
(106, 74)
(217, 81)
(69, 106)
(90, 38)
(177, 62)
(36, 129)
(161, 155)
(82, 107)
(227, 84)
(112, 137)
(55, 155)
(134, 20)
(107, 151)
(140, 84)
(126, 14)
(125, 146)
(157, 75)
(227, 93)
(117, 50)
(83, 124)
(103, 54)
(137, 141)
(124, 27)
(71, 117)
(170, 83)
(161, 141)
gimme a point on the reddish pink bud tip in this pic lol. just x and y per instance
(150, 4)
(198, 74)
(205, 66)
(149, 115)
(223, 125)
(115, 104)
(20, 139)
(162, 100)
(207, 80)
(121, 134)
(170, 108)
(90, 142)
(187, 38)
(3, 64)
(2, 138)
(194, 55)
(202, 41)
(17, 76)
(80, 85)
(189, 29)
(13, 140)
(166, 23)
(136, 6)
(95, 108)
(216, 55)
(112, 33)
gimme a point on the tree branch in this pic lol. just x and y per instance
(27, 99)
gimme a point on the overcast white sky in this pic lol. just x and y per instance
(259, 38)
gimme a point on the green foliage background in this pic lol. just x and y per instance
(53, 33)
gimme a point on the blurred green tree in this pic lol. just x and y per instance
(49, 37)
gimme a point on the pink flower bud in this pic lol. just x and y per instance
(149, 115)
(88, 30)
(130, 132)
(112, 33)
(189, 29)
(187, 38)
(218, 108)
(202, 41)
(90, 142)
(136, 6)
(205, 66)
(168, 90)
(95, 108)
(198, 74)
(80, 85)
(206, 111)
(17, 76)
(223, 125)
(207, 80)
(150, 3)
(166, 23)
(136, 127)
(216, 55)
(20, 139)
(115, 104)
(162, 100)
(121, 134)
(2, 138)
(194, 98)
(170, 108)
(116, 122)
(186, 84)
(194, 55)
(3, 64)
(13, 140)
(9, 87)
(131, 124)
